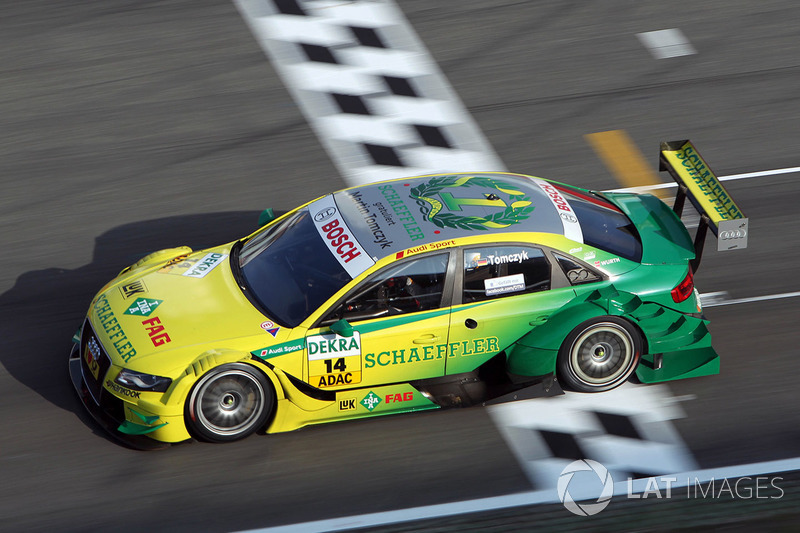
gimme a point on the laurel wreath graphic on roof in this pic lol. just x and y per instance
(431, 208)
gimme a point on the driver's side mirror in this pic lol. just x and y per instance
(266, 216)
(342, 328)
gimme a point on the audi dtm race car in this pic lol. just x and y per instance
(405, 295)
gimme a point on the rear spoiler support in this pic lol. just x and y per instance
(702, 228)
(697, 182)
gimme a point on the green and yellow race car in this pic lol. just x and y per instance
(405, 295)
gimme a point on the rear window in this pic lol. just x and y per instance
(603, 225)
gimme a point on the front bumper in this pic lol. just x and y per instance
(110, 413)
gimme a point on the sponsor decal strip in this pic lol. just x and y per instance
(701, 181)
(280, 349)
(334, 360)
(504, 284)
(572, 228)
(371, 220)
(156, 331)
(133, 394)
(206, 264)
(135, 287)
(417, 354)
(143, 307)
(332, 345)
(112, 328)
(338, 237)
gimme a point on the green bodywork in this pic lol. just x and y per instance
(148, 425)
(682, 339)
(676, 331)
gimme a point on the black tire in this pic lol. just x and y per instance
(599, 354)
(229, 403)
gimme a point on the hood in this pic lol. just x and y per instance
(160, 319)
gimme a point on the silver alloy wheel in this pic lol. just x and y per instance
(601, 354)
(228, 403)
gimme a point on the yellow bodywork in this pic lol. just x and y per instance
(155, 319)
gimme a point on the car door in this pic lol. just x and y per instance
(400, 320)
(505, 291)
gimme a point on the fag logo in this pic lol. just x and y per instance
(143, 307)
(404, 397)
(371, 401)
(156, 331)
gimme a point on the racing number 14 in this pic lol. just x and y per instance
(339, 365)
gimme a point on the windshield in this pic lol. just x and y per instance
(289, 270)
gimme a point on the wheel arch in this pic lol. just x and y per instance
(207, 361)
(545, 341)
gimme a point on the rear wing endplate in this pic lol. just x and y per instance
(697, 182)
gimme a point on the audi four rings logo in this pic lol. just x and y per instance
(568, 217)
(733, 234)
(325, 214)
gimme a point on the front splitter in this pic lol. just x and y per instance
(106, 421)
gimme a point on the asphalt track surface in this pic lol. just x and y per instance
(130, 126)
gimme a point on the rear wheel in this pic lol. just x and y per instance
(599, 354)
(229, 403)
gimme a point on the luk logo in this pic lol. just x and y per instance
(132, 288)
(370, 401)
(347, 405)
(589, 473)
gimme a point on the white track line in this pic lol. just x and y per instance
(715, 299)
(760, 174)
(531, 498)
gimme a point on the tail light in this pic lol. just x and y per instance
(684, 288)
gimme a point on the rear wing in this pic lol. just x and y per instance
(697, 182)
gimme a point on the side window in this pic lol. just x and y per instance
(496, 271)
(409, 287)
(575, 272)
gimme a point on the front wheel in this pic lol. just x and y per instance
(229, 403)
(599, 354)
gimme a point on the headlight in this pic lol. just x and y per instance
(144, 382)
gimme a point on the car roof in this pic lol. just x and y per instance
(390, 216)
